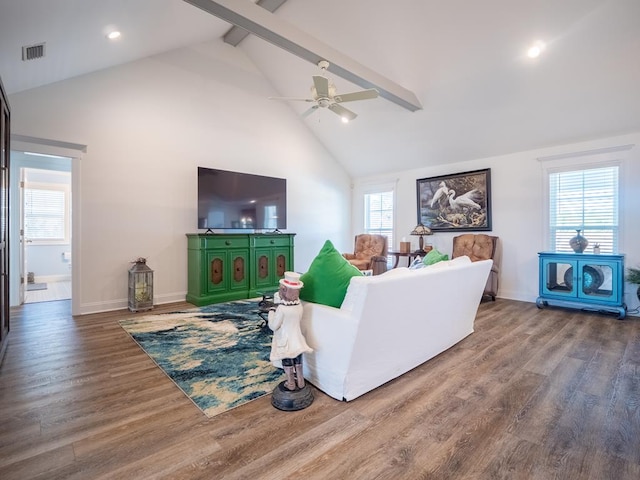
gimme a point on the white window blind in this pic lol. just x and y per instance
(585, 200)
(46, 214)
(378, 214)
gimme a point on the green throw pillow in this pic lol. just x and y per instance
(328, 277)
(434, 256)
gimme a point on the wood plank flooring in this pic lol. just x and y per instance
(532, 394)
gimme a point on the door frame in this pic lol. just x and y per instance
(22, 273)
(22, 143)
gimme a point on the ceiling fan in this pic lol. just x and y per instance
(324, 95)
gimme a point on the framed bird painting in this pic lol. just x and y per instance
(460, 201)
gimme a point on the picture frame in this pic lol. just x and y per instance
(455, 202)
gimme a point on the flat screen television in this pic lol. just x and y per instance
(233, 200)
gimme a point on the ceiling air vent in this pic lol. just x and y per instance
(32, 52)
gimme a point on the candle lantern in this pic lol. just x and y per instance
(140, 286)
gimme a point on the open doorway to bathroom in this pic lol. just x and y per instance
(46, 232)
(45, 227)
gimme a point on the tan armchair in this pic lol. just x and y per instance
(370, 253)
(481, 247)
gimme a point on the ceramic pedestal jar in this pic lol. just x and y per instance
(578, 243)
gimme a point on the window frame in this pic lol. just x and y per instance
(378, 188)
(58, 187)
(587, 160)
(570, 230)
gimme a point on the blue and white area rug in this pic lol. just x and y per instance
(218, 355)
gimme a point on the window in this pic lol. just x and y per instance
(271, 217)
(378, 214)
(46, 213)
(587, 200)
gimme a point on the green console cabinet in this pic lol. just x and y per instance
(272, 257)
(226, 267)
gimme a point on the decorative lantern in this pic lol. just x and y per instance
(140, 286)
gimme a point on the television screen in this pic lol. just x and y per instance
(233, 200)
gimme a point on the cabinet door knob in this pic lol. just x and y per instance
(227, 242)
(272, 242)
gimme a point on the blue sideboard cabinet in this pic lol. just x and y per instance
(585, 281)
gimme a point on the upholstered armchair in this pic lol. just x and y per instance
(370, 253)
(481, 247)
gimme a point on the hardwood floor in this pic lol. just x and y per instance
(532, 394)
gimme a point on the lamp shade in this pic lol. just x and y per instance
(420, 229)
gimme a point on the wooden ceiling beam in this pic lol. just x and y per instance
(236, 34)
(264, 24)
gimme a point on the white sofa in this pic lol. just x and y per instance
(388, 324)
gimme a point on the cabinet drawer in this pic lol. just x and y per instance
(273, 241)
(225, 242)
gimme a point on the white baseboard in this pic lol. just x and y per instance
(123, 304)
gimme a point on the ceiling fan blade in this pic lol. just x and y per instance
(322, 86)
(308, 112)
(343, 112)
(361, 95)
(293, 99)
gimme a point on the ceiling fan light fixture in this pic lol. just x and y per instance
(325, 95)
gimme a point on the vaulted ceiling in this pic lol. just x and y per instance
(464, 60)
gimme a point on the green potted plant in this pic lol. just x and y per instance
(633, 276)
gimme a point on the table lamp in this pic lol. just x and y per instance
(421, 231)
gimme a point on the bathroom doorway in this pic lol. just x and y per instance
(45, 264)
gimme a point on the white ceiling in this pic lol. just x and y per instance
(464, 59)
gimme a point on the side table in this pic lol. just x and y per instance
(264, 306)
(410, 255)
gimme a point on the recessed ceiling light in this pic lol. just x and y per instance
(113, 35)
(535, 50)
(345, 120)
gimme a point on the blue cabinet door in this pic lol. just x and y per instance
(557, 277)
(600, 281)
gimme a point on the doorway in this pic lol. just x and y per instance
(46, 232)
(43, 267)
(51, 152)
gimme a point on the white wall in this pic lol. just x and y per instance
(147, 125)
(49, 263)
(517, 203)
